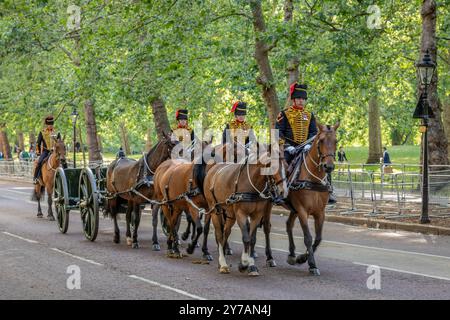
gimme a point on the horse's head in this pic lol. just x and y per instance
(326, 146)
(59, 148)
(168, 142)
(271, 161)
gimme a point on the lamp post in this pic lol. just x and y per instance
(74, 116)
(426, 69)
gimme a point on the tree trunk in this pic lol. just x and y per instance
(437, 141)
(396, 137)
(293, 73)
(124, 138)
(5, 143)
(446, 120)
(100, 143)
(375, 152)
(21, 140)
(32, 138)
(160, 117)
(91, 132)
(148, 143)
(265, 78)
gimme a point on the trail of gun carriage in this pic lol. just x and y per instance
(241, 118)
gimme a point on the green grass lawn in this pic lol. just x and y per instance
(398, 154)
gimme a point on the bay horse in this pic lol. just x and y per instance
(308, 194)
(240, 192)
(179, 186)
(131, 182)
(56, 157)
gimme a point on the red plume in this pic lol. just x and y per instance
(234, 106)
(176, 114)
(292, 88)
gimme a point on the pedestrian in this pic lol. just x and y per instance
(386, 160)
(120, 154)
(341, 155)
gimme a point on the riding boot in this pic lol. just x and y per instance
(331, 197)
(37, 172)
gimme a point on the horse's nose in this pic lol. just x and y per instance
(329, 167)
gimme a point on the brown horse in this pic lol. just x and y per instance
(130, 181)
(308, 194)
(242, 192)
(46, 181)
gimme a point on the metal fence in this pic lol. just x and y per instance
(393, 191)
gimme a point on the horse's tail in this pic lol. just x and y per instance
(35, 196)
(199, 174)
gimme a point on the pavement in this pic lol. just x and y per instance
(38, 262)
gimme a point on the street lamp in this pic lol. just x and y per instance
(426, 69)
(74, 116)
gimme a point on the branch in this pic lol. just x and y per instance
(231, 15)
(67, 52)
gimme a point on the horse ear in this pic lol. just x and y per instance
(336, 125)
(320, 126)
(58, 137)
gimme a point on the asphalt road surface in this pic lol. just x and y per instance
(37, 262)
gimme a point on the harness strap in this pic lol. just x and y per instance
(309, 185)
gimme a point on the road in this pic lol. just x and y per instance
(36, 262)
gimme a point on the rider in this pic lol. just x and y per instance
(238, 128)
(296, 125)
(44, 145)
(182, 131)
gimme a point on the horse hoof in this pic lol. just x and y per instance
(190, 249)
(291, 260)
(156, 247)
(301, 258)
(50, 218)
(184, 236)
(253, 271)
(224, 270)
(135, 245)
(241, 267)
(314, 271)
(116, 240)
(228, 252)
(208, 257)
(40, 215)
(271, 263)
(129, 241)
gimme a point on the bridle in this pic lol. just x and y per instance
(319, 165)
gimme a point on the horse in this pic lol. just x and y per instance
(179, 187)
(130, 181)
(46, 180)
(240, 192)
(308, 194)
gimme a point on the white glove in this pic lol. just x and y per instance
(306, 147)
(290, 149)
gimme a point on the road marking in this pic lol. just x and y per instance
(367, 265)
(19, 237)
(23, 188)
(77, 257)
(403, 271)
(363, 246)
(168, 287)
(19, 192)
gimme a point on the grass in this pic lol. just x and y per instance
(398, 154)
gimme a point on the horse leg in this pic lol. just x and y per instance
(128, 222)
(228, 250)
(116, 229)
(50, 216)
(197, 231)
(37, 192)
(155, 209)
(253, 253)
(136, 217)
(245, 257)
(303, 217)
(318, 225)
(206, 255)
(252, 269)
(289, 226)
(173, 231)
(270, 262)
(186, 233)
(218, 230)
